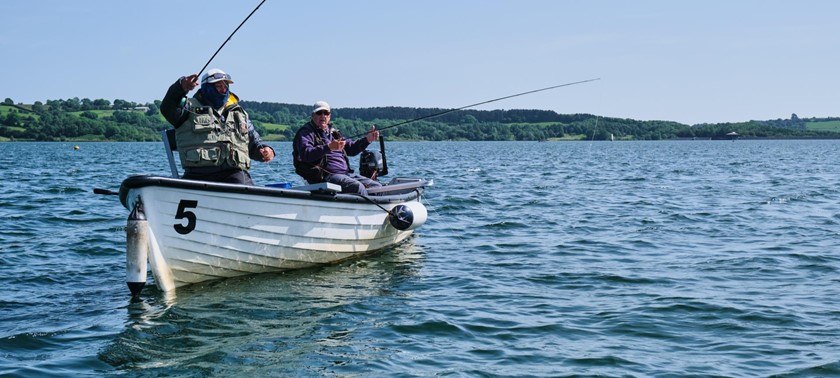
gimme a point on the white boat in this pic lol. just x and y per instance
(193, 231)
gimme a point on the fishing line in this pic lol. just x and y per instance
(597, 118)
(229, 37)
(476, 104)
(593, 134)
(276, 172)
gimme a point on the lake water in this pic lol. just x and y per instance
(648, 259)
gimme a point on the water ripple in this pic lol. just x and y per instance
(652, 259)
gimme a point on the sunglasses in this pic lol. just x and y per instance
(322, 112)
(217, 76)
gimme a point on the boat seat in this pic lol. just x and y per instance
(399, 185)
(320, 188)
(169, 145)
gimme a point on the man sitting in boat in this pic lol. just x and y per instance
(320, 153)
(214, 136)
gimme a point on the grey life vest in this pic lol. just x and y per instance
(206, 139)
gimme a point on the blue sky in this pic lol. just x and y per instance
(685, 61)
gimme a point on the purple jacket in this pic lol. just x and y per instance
(311, 148)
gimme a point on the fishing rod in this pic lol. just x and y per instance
(476, 104)
(382, 168)
(229, 37)
(110, 192)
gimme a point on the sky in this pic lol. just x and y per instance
(692, 62)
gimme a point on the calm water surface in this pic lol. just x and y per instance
(648, 259)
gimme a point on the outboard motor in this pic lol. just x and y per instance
(370, 164)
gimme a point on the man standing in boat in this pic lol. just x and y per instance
(216, 140)
(320, 153)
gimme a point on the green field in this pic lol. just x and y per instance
(275, 131)
(99, 113)
(569, 137)
(538, 124)
(823, 126)
(274, 127)
(5, 109)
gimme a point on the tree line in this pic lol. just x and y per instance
(121, 120)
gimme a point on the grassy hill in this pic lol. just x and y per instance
(273, 131)
(277, 122)
(832, 126)
(21, 109)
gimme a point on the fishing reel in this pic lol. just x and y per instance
(336, 135)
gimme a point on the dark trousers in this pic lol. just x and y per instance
(351, 183)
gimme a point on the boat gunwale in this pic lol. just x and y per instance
(140, 181)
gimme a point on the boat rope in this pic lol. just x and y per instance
(438, 114)
(374, 203)
(380, 206)
(228, 38)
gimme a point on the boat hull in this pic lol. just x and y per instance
(203, 231)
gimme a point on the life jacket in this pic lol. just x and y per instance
(313, 173)
(212, 139)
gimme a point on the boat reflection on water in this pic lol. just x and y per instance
(273, 323)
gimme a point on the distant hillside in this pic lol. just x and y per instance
(85, 119)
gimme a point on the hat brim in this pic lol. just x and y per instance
(318, 109)
(218, 80)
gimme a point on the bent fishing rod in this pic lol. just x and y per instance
(476, 104)
(113, 193)
(228, 38)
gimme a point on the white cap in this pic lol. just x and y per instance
(321, 105)
(214, 75)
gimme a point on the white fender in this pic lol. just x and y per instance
(136, 253)
(408, 216)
